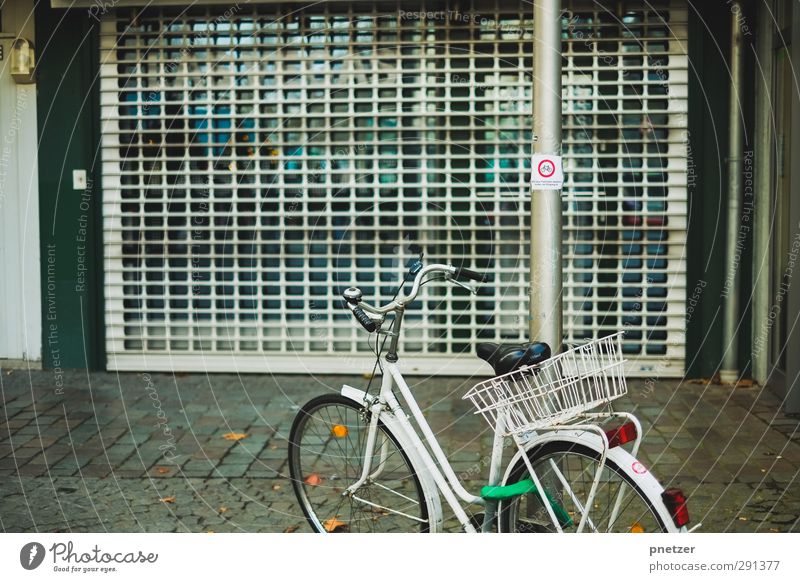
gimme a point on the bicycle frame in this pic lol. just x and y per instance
(432, 465)
(429, 451)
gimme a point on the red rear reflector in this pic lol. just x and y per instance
(621, 435)
(675, 501)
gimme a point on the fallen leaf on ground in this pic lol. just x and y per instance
(332, 524)
(313, 480)
(291, 529)
(234, 436)
(162, 470)
(222, 509)
(276, 487)
(170, 499)
(273, 447)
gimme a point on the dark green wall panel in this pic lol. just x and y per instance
(69, 219)
(709, 81)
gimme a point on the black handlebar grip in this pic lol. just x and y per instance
(364, 319)
(462, 272)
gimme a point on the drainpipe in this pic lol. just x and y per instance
(763, 193)
(729, 371)
(545, 236)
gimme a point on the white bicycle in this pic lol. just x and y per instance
(359, 464)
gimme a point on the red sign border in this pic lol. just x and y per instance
(539, 168)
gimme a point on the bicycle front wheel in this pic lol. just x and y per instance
(566, 471)
(327, 447)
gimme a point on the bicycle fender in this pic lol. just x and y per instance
(429, 487)
(633, 468)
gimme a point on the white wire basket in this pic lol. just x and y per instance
(555, 391)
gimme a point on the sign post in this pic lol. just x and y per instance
(546, 178)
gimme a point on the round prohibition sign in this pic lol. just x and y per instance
(546, 168)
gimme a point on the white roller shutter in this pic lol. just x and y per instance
(259, 160)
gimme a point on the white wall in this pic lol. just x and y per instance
(20, 289)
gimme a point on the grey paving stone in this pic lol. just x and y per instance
(722, 448)
(230, 470)
(199, 465)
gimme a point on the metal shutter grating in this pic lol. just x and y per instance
(258, 161)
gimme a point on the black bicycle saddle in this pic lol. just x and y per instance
(505, 358)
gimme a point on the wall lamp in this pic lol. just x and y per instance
(22, 63)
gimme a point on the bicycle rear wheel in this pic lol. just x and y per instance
(566, 470)
(327, 445)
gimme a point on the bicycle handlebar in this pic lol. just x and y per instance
(463, 272)
(393, 305)
(359, 308)
(365, 320)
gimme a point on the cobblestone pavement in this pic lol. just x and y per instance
(138, 452)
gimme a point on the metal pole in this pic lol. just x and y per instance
(763, 192)
(729, 371)
(545, 270)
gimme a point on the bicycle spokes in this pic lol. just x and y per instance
(597, 498)
(352, 480)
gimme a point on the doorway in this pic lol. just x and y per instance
(784, 290)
